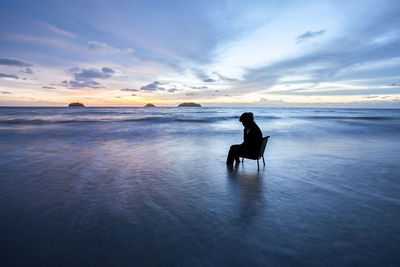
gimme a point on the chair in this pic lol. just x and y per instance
(261, 154)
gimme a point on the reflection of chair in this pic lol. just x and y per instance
(261, 154)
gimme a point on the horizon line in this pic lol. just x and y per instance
(272, 107)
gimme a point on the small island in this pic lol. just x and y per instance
(189, 104)
(76, 104)
(149, 105)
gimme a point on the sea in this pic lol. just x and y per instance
(133, 186)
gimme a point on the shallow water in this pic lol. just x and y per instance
(149, 187)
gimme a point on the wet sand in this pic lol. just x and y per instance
(161, 195)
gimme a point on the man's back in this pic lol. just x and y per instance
(252, 139)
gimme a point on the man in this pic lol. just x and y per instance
(252, 140)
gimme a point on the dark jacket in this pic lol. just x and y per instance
(252, 137)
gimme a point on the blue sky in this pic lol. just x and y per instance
(227, 53)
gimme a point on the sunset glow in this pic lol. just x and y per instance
(215, 53)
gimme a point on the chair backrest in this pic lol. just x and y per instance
(263, 145)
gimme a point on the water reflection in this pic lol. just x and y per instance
(248, 187)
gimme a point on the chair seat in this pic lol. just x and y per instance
(254, 158)
(261, 153)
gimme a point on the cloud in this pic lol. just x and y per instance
(202, 76)
(151, 87)
(335, 91)
(12, 76)
(224, 78)
(60, 31)
(199, 87)
(154, 86)
(6, 92)
(14, 62)
(104, 48)
(266, 102)
(54, 42)
(27, 71)
(211, 78)
(107, 70)
(346, 60)
(85, 77)
(309, 34)
(81, 74)
(89, 83)
(129, 90)
(48, 87)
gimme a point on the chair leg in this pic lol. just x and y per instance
(258, 164)
(242, 159)
(263, 160)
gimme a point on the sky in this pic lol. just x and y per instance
(217, 53)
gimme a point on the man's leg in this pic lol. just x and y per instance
(233, 154)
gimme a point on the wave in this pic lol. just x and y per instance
(42, 121)
(116, 120)
(370, 118)
(180, 119)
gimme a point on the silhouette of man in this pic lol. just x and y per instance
(252, 139)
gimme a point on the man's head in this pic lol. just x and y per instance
(246, 118)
